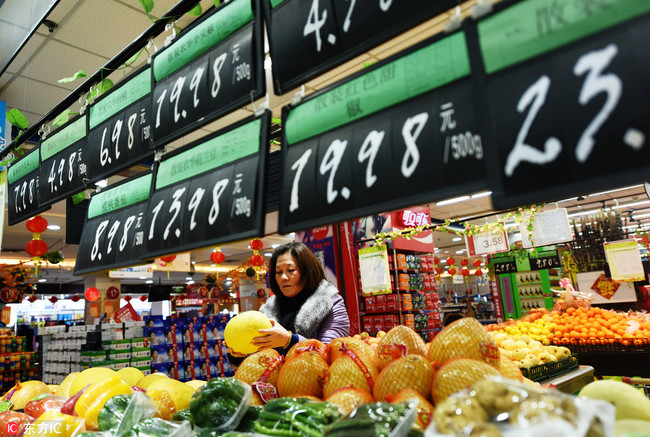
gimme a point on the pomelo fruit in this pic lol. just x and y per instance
(308, 345)
(350, 372)
(630, 403)
(180, 392)
(130, 375)
(89, 376)
(349, 398)
(411, 371)
(266, 362)
(303, 374)
(64, 387)
(23, 392)
(147, 380)
(425, 409)
(510, 370)
(464, 338)
(359, 347)
(398, 342)
(243, 328)
(458, 374)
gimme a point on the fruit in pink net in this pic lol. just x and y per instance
(458, 374)
(464, 338)
(398, 342)
(411, 371)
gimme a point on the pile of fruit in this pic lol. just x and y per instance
(526, 352)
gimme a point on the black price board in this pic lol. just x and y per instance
(545, 260)
(120, 128)
(213, 68)
(114, 231)
(63, 169)
(401, 133)
(22, 195)
(309, 37)
(507, 265)
(566, 97)
(210, 191)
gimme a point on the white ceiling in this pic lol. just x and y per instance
(91, 32)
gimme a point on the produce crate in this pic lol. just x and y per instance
(606, 345)
(550, 370)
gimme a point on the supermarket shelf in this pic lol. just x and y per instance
(529, 283)
(572, 381)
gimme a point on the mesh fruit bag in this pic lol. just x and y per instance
(263, 366)
(303, 374)
(510, 370)
(310, 344)
(350, 371)
(360, 347)
(411, 371)
(425, 409)
(464, 338)
(349, 398)
(458, 374)
(398, 342)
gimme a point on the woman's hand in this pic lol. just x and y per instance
(273, 337)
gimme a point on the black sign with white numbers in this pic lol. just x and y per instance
(63, 170)
(509, 266)
(569, 114)
(309, 37)
(545, 260)
(367, 145)
(226, 73)
(22, 195)
(120, 128)
(114, 232)
(211, 191)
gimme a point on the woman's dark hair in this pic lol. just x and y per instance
(311, 271)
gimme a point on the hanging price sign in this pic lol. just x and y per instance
(120, 128)
(487, 242)
(22, 195)
(504, 265)
(545, 260)
(62, 165)
(566, 96)
(309, 37)
(396, 135)
(113, 235)
(211, 191)
(213, 68)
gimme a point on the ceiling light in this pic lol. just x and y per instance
(189, 278)
(460, 251)
(614, 191)
(444, 261)
(143, 277)
(268, 254)
(275, 246)
(452, 200)
(193, 262)
(190, 282)
(42, 280)
(150, 281)
(638, 216)
(102, 184)
(292, 235)
(54, 227)
(483, 194)
(456, 239)
(228, 279)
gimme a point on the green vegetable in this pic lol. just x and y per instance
(182, 415)
(294, 417)
(113, 412)
(247, 423)
(153, 427)
(218, 402)
(370, 420)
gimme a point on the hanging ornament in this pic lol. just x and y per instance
(477, 263)
(143, 298)
(438, 271)
(36, 224)
(75, 298)
(36, 248)
(452, 271)
(257, 260)
(256, 244)
(168, 260)
(127, 298)
(464, 262)
(53, 299)
(32, 298)
(250, 272)
(436, 260)
(217, 257)
(451, 261)
(91, 294)
(478, 272)
(465, 272)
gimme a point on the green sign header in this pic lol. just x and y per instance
(124, 195)
(136, 87)
(23, 167)
(274, 3)
(416, 73)
(201, 38)
(212, 154)
(534, 27)
(67, 136)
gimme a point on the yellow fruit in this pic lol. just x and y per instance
(147, 380)
(508, 345)
(347, 399)
(500, 337)
(56, 424)
(398, 342)
(64, 387)
(181, 393)
(53, 387)
(510, 370)
(196, 383)
(518, 354)
(89, 376)
(411, 371)
(465, 338)
(255, 365)
(130, 375)
(457, 374)
(243, 328)
(425, 409)
(359, 347)
(23, 392)
(630, 403)
(303, 374)
(308, 345)
(638, 428)
(521, 344)
(347, 372)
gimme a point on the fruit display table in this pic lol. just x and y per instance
(572, 381)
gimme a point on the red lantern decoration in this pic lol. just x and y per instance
(32, 298)
(168, 259)
(75, 298)
(256, 244)
(478, 272)
(464, 262)
(452, 271)
(257, 260)
(54, 299)
(477, 263)
(36, 248)
(436, 260)
(143, 298)
(451, 261)
(128, 298)
(92, 294)
(36, 224)
(438, 271)
(217, 257)
(465, 272)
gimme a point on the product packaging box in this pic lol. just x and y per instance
(174, 327)
(154, 322)
(156, 336)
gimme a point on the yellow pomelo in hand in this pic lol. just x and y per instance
(243, 328)
(130, 375)
(23, 392)
(89, 376)
(147, 380)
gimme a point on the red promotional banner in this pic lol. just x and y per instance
(126, 314)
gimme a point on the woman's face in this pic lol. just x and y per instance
(287, 275)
